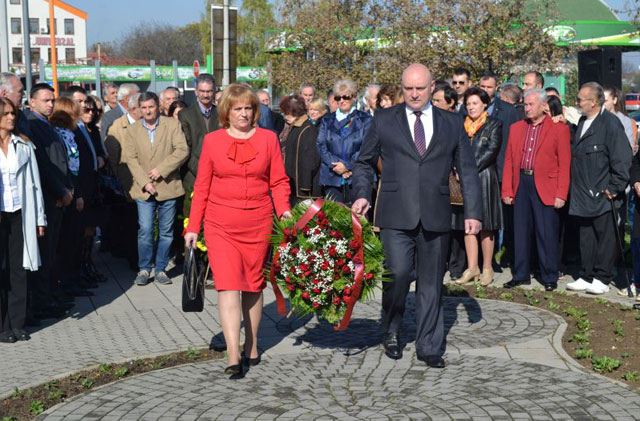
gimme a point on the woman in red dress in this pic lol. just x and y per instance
(239, 166)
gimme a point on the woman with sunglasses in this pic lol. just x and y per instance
(340, 137)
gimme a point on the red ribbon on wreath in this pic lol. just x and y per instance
(358, 263)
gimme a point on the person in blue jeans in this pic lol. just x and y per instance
(155, 148)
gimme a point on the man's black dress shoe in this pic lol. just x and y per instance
(515, 283)
(78, 292)
(7, 337)
(392, 347)
(434, 361)
(21, 335)
(550, 287)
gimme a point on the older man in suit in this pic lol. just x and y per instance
(536, 183)
(124, 92)
(198, 120)
(155, 148)
(418, 144)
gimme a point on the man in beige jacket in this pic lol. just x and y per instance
(155, 147)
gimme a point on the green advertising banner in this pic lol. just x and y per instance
(118, 73)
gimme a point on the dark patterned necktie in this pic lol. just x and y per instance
(418, 135)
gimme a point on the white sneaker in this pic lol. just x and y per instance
(578, 285)
(597, 287)
(625, 293)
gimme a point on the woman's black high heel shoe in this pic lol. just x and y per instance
(233, 370)
(250, 362)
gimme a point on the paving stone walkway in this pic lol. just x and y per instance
(505, 361)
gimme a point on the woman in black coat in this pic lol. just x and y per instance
(634, 181)
(485, 135)
(301, 158)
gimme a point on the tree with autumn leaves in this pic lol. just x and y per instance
(372, 41)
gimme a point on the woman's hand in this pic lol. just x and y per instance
(41, 231)
(338, 167)
(285, 215)
(79, 204)
(190, 239)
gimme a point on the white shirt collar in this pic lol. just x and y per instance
(426, 110)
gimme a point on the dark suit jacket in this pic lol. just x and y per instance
(108, 119)
(51, 156)
(194, 128)
(415, 190)
(600, 160)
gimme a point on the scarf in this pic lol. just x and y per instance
(472, 127)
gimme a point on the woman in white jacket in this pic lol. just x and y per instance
(22, 221)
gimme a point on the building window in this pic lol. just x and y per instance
(34, 26)
(70, 55)
(55, 23)
(16, 28)
(14, 2)
(57, 55)
(35, 55)
(68, 27)
(17, 55)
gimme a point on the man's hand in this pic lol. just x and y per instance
(339, 168)
(79, 204)
(190, 239)
(154, 174)
(472, 226)
(285, 215)
(559, 203)
(347, 174)
(149, 188)
(67, 198)
(559, 119)
(636, 187)
(610, 195)
(508, 200)
(360, 207)
(41, 231)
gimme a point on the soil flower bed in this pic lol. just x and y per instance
(28, 403)
(601, 335)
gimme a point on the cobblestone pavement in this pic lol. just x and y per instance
(505, 360)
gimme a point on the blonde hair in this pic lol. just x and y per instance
(318, 105)
(232, 95)
(345, 86)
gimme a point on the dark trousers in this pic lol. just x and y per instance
(404, 250)
(507, 237)
(598, 248)
(340, 194)
(43, 278)
(13, 276)
(457, 254)
(529, 214)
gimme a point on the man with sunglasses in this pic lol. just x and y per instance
(461, 81)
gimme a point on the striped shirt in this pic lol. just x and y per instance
(531, 139)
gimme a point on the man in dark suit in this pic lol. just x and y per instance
(198, 120)
(461, 81)
(418, 144)
(125, 91)
(51, 156)
(601, 159)
(536, 183)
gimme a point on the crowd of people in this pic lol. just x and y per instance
(549, 182)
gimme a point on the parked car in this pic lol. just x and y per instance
(632, 102)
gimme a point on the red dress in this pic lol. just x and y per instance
(231, 194)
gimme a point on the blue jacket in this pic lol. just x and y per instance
(339, 143)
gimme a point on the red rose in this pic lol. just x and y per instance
(369, 276)
(305, 230)
(304, 295)
(291, 288)
(321, 215)
(315, 305)
(336, 300)
(347, 291)
(349, 255)
(315, 282)
(321, 252)
(336, 276)
(307, 273)
(316, 290)
(346, 298)
(295, 251)
(339, 235)
(303, 267)
(287, 280)
(325, 265)
(346, 270)
(317, 231)
(340, 262)
(332, 251)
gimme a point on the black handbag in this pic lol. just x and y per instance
(192, 284)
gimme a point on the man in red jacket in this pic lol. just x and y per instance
(536, 182)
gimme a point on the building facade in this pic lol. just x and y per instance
(70, 33)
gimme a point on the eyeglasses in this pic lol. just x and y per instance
(457, 82)
(89, 110)
(339, 98)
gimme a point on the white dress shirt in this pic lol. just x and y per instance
(9, 184)
(427, 122)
